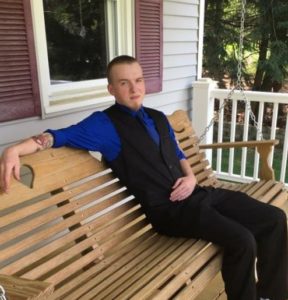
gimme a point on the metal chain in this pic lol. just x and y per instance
(2, 293)
(239, 84)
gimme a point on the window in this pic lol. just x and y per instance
(105, 27)
(76, 32)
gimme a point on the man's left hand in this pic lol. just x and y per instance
(183, 188)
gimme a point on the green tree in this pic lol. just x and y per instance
(217, 35)
(265, 42)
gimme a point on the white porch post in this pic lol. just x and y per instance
(203, 110)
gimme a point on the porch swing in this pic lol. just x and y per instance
(77, 233)
(266, 189)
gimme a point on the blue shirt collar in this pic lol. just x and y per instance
(128, 110)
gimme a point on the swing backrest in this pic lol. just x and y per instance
(74, 201)
(188, 142)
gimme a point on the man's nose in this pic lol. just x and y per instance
(132, 87)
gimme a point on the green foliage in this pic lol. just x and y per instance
(219, 39)
(265, 53)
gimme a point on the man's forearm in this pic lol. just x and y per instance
(185, 185)
(44, 140)
(185, 166)
(33, 144)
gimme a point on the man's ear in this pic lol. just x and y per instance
(110, 89)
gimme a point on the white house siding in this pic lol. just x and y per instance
(181, 18)
(180, 37)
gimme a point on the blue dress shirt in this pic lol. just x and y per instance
(97, 133)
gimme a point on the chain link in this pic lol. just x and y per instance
(2, 293)
(238, 86)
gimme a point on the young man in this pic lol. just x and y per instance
(139, 145)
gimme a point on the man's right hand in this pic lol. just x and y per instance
(10, 161)
(9, 166)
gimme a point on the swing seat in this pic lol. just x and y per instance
(72, 231)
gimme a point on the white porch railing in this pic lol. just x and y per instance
(236, 126)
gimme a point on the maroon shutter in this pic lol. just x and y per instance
(19, 92)
(149, 42)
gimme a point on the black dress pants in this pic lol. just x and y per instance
(248, 230)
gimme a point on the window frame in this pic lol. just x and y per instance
(82, 94)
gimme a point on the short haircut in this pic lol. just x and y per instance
(122, 59)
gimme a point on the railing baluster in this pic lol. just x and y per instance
(245, 138)
(285, 153)
(232, 135)
(260, 128)
(220, 137)
(273, 128)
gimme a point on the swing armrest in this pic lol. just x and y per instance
(16, 288)
(264, 148)
(242, 144)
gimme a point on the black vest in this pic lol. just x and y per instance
(148, 170)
